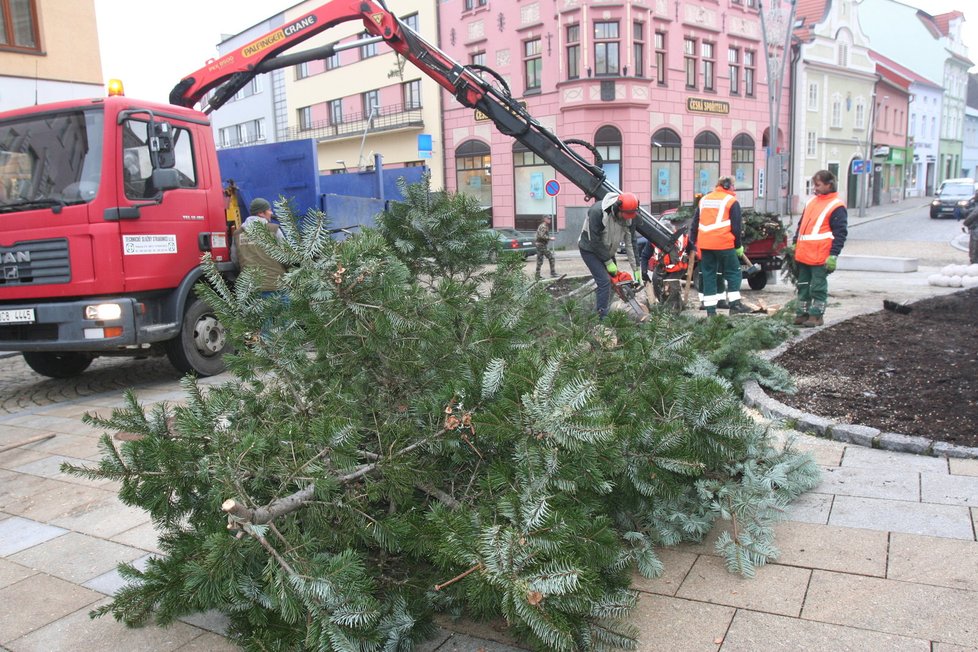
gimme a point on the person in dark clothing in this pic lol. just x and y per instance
(715, 231)
(970, 224)
(542, 243)
(608, 223)
(819, 239)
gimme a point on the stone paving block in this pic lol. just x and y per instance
(51, 423)
(76, 631)
(75, 445)
(17, 489)
(963, 467)
(465, 643)
(810, 507)
(827, 547)
(60, 499)
(949, 521)
(213, 621)
(752, 631)
(885, 459)
(949, 489)
(11, 572)
(933, 560)
(18, 534)
(470, 632)
(870, 483)
(104, 518)
(142, 536)
(667, 623)
(37, 601)
(825, 452)
(433, 643)
(76, 557)
(775, 589)
(903, 608)
(854, 434)
(111, 581)
(209, 642)
(22, 455)
(50, 467)
(676, 565)
(948, 647)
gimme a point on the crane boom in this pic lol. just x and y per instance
(233, 71)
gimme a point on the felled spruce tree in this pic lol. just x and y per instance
(410, 435)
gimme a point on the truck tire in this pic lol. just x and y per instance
(757, 281)
(201, 344)
(58, 364)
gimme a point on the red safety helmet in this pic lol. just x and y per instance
(627, 205)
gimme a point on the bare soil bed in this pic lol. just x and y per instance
(913, 374)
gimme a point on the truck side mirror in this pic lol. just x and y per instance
(161, 144)
(165, 179)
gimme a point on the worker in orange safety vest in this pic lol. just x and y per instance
(818, 241)
(715, 231)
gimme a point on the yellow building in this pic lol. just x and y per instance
(46, 52)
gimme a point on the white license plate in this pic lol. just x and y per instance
(23, 316)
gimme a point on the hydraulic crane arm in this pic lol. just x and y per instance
(233, 71)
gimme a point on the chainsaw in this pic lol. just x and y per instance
(625, 287)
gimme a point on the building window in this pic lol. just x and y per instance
(411, 95)
(478, 58)
(368, 50)
(811, 144)
(469, 5)
(473, 173)
(411, 21)
(844, 55)
(913, 125)
(836, 111)
(251, 88)
(333, 61)
(742, 158)
(573, 51)
(532, 64)
(335, 108)
(813, 97)
(606, 48)
(18, 25)
(530, 173)
(638, 48)
(660, 58)
(302, 70)
(305, 118)
(666, 161)
(689, 51)
(709, 66)
(860, 113)
(371, 102)
(750, 69)
(706, 162)
(607, 141)
(733, 69)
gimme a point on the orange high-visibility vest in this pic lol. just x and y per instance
(815, 233)
(714, 228)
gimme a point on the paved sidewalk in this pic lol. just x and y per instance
(882, 555)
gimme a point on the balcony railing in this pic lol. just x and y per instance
(387, 118)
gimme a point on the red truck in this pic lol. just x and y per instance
(107, 205)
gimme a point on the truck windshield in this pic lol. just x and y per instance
(50, 159)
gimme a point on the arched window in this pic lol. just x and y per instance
(743, 169)
(607, 141)
(530, 174)
(666, 161)
(706, 162)
(474, 173)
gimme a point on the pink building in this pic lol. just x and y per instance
(672, 95)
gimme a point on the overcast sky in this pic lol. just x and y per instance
(150, 50)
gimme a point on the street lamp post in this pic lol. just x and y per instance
(776, 25)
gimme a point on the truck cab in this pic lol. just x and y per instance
(106, 207)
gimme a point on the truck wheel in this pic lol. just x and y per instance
(757, 281)
(201, 344)
(57, 364)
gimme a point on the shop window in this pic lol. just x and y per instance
(706, 162)
(473, 171)
(666, 162)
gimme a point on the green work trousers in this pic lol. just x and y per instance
(813, 289)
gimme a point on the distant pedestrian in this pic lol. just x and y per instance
(971, 224)
(818, 241)
(542, 242)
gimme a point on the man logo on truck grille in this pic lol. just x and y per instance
(11, 273)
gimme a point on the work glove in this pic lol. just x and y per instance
(611, 267)
(637, 276)
(739, 251)
(830, 264)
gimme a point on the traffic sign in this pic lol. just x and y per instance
(860, 166)
(552, 187)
